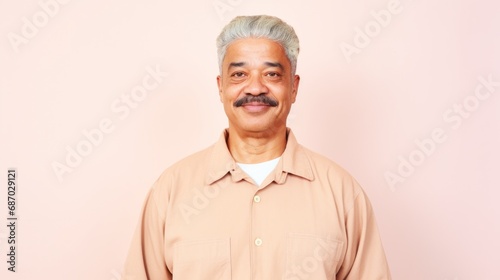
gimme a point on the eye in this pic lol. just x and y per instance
(273, 75)
(238, 74)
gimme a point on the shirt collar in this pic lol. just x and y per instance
(294, 160)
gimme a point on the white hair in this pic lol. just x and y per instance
(261, 26)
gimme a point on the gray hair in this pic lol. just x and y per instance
(262, 26)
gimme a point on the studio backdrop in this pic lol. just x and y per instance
(97, 98)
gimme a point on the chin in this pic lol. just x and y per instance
(253, 127)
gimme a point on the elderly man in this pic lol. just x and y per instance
(256, 204)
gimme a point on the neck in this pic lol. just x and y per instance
(256, 147)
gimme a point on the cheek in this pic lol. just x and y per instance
(231, 93)
(227, 99)
(282, 94)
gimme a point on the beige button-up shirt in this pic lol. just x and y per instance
(205, 219)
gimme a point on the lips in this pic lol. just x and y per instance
(255, 106)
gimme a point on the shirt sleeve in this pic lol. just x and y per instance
(365, 258)
(146, 257)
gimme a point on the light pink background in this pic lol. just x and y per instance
(363, 111)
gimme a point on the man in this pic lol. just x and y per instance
(256, 204)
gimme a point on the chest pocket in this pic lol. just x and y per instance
(311, 257)
(203, 259)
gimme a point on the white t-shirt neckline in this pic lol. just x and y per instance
(259, 171)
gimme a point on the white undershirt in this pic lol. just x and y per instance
(259, 171)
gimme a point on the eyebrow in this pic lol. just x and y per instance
(267, 63)
(235, 64)
(275, 64)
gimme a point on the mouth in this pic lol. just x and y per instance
(255, 107)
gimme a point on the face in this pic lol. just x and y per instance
(256, 86)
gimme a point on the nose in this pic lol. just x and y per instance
(255, 86)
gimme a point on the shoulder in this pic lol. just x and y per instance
(185, 172)
(191, 163)
(198, 159)
(337, 178)
(322, 163)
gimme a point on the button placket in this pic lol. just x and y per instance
(257, 230)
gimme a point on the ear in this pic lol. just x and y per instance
(219, 86)
(295, 89)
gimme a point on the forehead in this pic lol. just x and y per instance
(255, 50)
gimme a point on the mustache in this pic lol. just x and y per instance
(264, 99)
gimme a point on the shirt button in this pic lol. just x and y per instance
(256, 198)
(258, 242)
